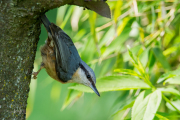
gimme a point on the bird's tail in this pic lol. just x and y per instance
(46, 23)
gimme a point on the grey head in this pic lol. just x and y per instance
(86, 76)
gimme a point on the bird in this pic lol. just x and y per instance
(61, 59)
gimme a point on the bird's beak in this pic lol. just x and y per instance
(93, 87)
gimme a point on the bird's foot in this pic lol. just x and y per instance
(35, 75)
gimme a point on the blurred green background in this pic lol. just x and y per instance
(150, 29)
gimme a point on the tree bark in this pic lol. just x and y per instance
(20, 30)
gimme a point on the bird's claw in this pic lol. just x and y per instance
(35, 75)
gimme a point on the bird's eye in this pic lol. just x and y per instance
(88, 76)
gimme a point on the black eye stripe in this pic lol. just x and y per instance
(82, 67)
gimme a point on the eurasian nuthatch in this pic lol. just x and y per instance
(61, 60)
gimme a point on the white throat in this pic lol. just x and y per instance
(80, 77)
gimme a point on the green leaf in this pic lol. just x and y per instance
(168, 75)
(117, 11)
(137, 64)
(173, 80)
(151, 60)
(145, 107)
(117, 44)
(132, 55)
(122, 26)
(160, 117)
(90, 50)
(119, 115)
(139, 103)
(140, 67)
(170, 50)
(104, 67)
(170, 90)
(153, 105)
(127, 71)
(61, 13)
(105, 38)
(144, 57)
(121, 99)
(72, 96)
(114, 83)
(67, 17)
(134, 51)
(164, 77)
(175, 103)
(129, 105)
(161, 58)
(166, 116)
(168, 37)
(92, 21)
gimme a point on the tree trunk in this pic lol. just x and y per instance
(20, 30)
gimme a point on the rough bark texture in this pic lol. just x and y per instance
(19, 35)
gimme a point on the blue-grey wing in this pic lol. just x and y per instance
(67, 57)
